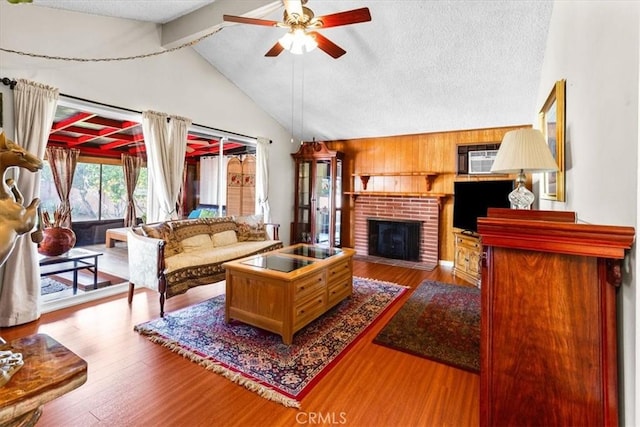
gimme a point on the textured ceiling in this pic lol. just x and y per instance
(418, 66)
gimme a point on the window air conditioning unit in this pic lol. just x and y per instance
(480, 162)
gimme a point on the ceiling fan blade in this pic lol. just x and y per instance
(252, 21)
(327, 45)
(354, 16)
(275, 50)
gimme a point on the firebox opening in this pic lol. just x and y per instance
(393, 238)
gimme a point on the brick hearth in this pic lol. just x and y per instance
(423, 209)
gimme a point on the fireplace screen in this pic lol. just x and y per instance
(393, 238)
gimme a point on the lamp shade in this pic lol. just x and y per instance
(524, 150)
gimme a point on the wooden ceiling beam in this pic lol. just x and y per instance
(115, 144)
(90, 131)
(63, 124)
(70, 140)
(119, 124)
(137, 149)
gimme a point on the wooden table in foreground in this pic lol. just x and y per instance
(284, 290)
(50, 370)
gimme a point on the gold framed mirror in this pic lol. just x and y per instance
(552, 125)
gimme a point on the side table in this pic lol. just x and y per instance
(74, 260)
(50, 370)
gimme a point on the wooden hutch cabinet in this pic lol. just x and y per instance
(317, 216)
(548, 352)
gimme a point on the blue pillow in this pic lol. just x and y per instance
(194, 214)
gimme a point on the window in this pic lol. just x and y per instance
(98, 192)
(103, 133)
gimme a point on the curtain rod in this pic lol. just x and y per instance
(220, 132)
(9, 82)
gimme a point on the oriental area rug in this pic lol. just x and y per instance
(259, 360)
(439, 321)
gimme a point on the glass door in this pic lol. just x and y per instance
(323, 202)
(303, 214)
(338, 203)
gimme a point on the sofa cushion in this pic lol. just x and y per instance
(197, 242)
(224, 238)
(251, 228)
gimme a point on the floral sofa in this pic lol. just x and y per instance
(174, 256)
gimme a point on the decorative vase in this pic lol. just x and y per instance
(56, 241)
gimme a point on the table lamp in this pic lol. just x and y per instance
(521, 151)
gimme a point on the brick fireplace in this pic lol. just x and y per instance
(423, 209)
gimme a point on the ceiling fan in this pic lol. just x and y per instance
(301, 23)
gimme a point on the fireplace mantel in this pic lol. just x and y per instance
(361, 190)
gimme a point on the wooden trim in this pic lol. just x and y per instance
(537, 215)
(554, 236)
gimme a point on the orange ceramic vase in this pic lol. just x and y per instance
(56, 241)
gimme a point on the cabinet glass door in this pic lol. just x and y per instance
(338, 202)
(303, 215)
(323, 193)
(318, 199)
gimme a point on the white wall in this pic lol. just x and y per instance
(595, 46)
(179, 82)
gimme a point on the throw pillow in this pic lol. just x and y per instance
(208, 213)
(162, 230)
(196, 243)
(224, 238)
(251, 228)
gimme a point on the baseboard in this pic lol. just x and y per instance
(72, 300)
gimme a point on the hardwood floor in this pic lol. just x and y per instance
(134, 382)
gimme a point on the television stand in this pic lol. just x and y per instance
(467, 257)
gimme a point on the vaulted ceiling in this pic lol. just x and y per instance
(417, 67)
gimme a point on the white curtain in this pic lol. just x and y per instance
(262, 178)
(34, 109)
(213, 192)
(165, 140)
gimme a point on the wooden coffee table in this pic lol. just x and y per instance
(284, 290)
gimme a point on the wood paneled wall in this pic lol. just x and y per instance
(428, 152)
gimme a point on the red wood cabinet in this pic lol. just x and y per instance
(548, 340)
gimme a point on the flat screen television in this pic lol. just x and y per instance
(473, 198)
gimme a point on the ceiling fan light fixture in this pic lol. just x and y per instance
(310, 42)
(302, 23)
(297, 41)
(286, 41)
